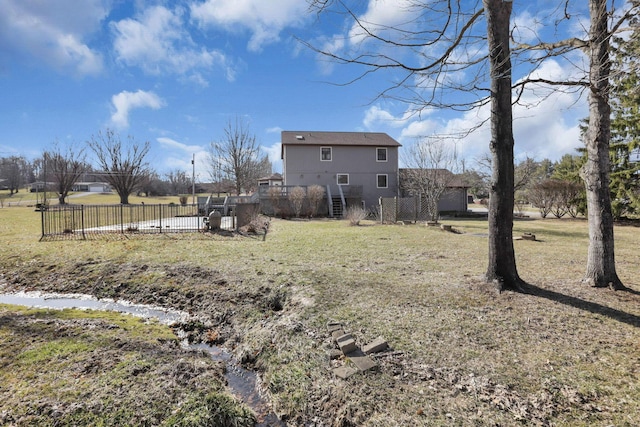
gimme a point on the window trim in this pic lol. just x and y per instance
(330, 154)
(338, 175)
(386, 154)
(386, 180)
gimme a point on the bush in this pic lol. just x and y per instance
(275, 194)
(296, 197)
(315, 193)
(355, 214)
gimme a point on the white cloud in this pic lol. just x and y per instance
(53, 32)
(125, 101)
(274, 152)
(382, 15)
(264, 19)
(157, 42)
(375, 116)
(178, 155)
(173, 144)
(547, 129)
(526, 27)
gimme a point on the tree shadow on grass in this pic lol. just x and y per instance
(592, 307)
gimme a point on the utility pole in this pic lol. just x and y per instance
(193, 178)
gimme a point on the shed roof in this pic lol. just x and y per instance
(366, 139)
(274, 177)
(452, 180)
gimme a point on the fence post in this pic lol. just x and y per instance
(121, 218)
(160, 216)
(82, 221)
(42, 218)
(395, 199)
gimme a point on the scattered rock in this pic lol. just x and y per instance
(346, 343)
(361, 360)
(377, 345)
(344, 372)
(348, 347)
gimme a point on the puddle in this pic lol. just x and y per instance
(87, 302)
(241, 382)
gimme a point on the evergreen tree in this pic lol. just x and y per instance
(625, 125)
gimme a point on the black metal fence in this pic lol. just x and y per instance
(84, 221)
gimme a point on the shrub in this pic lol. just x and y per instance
(315, 193)
(275, 194)
(183, 200)
(355, 214)
(296, 197)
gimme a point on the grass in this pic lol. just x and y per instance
(25, 198)
(92, 368)
(566, 355)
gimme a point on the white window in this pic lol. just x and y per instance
(381, 154)
(382, 181)
(342, 178)
(325, 154)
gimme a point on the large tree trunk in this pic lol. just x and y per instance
(502, 261)
(601, 268)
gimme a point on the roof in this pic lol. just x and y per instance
(452, 180)
(366, 139)
(275, 177)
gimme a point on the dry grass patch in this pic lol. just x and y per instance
(462, 354)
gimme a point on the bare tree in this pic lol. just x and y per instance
(11, 171)
(555, 196)
(65, 165)
(444, 41)
(601, 266)
(179, 182)
(430, 166)
(606, 20)
(236, 157)
(124, 165)
(450, 32)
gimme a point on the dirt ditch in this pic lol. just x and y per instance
(260, 324)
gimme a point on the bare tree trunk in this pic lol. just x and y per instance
(502, 261)
(601, 269)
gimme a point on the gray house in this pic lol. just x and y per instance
(354, 167)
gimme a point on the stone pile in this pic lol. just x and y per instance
(346, 345)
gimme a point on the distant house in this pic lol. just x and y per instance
(275, 179)
(38, 186)
(93, 187)
(354, 167)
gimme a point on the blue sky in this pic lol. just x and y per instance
(174, 73)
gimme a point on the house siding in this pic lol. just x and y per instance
(453, 200)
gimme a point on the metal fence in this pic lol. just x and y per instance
(84, 221)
